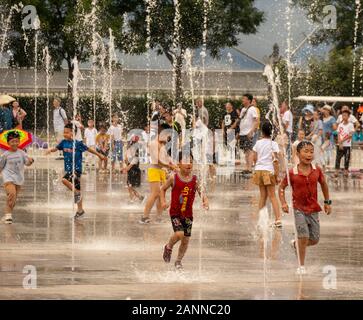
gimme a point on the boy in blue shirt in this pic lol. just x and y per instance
(72, 178)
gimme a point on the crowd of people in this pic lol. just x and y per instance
(277, 151)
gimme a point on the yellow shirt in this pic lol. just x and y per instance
(259, 117)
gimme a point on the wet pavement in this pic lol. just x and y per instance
(110, 256)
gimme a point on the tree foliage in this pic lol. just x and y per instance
(66, 28)
(226, 19)
(343, 35)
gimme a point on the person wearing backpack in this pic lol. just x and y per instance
(59, 121)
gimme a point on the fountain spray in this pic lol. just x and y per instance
(150, 5)
(14, 9)
(356, 27)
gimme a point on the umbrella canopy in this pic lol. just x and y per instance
(25, 139)
(5, 99)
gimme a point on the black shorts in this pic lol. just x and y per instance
(182, 224)
(245, 143)
(134, 177)
(103, 152)
(77, 179)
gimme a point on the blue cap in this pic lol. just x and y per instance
(308, 108)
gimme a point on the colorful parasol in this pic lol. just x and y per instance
(25, 139)
(360, 109)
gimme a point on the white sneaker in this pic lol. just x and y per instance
(7, 219)
(301, 270)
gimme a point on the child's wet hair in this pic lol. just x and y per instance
(303, 144)
(267, 129)
(71, 126)
(185, 156)
(12, 135)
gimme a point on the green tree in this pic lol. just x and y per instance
(343, 35)
(66, 28)
(226, 19)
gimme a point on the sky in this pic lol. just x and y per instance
(259, 45)
(274, 30)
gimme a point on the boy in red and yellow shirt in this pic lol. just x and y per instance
(184, 186)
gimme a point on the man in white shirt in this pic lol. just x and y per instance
(288, 124)
(59, 121)
(202, 112)
(248, 125)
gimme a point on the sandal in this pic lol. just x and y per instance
(278, 224)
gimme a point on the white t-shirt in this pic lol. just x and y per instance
(180, 116)
(246, 123)
(90, 135)
(59, 116)
(200, 131)
(288, 117)
(265, 149)
(352, 119)
(79, 131)
(345, 130)
(12, 166)
(115, 132)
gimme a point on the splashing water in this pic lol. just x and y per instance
(289, 49)
(111, 60)
(172, 277)
(263, 228)
(230, 73)
(203, 53)
(150, 5)
(190, 71)
(14, 9)
(36, 26)
(176, 44)
(94, 45)
(356, 27)
(46, 58)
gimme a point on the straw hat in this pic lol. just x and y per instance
(5, 99)
(327, 107)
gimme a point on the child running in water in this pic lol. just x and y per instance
(184, 186)
(12, 164)
(156, 175)
(103, 147)
(133, 169)
(304, 179)
(265, 156)
(72, 177)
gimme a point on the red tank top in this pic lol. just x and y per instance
(182, 197)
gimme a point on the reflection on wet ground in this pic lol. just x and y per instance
(110, 256)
